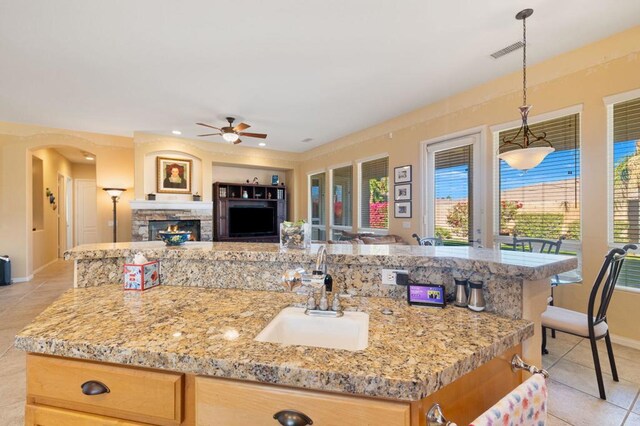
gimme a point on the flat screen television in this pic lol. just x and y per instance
(252, 221)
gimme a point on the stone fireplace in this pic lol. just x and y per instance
(148, 217)
(155, 226)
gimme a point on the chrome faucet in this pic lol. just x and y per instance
(321, 260)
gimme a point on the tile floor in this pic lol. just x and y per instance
(572, 388)
(19, 304)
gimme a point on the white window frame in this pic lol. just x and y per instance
(573, 245)
(359, 163)
(310, 203)
(331, 226)
(427, 209)
(609, 102)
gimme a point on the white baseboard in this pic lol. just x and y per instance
(30, 277)
(44, 266)
(625, 341)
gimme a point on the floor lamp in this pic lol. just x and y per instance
(115, 196)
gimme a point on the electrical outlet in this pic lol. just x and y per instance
(389, 275)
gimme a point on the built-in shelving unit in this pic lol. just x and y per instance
(247, 212)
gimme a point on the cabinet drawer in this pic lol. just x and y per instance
(134, 393)
(221, 402)
(39, 415)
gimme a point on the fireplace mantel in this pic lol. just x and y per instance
(170, 205)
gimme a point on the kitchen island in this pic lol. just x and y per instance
(185, 353)
(411, 354)
(516, 284)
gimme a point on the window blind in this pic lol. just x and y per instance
(453, 194)
(544, 202)
(626, 185)
(374, 194)
(342, 192)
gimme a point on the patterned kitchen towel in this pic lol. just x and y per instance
(526, 405)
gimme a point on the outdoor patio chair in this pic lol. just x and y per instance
(428, 241)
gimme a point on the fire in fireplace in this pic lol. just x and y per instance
(180, 225)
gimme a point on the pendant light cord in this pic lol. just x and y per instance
(524, 61)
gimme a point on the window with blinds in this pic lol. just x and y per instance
(453, 187)
(374, 194)
(626, 185)
(544, 202)
(317, 197)
(342, 189)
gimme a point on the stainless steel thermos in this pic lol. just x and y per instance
(476, 296)
(462, 293)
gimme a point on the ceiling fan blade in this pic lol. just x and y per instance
(206, 125)
(240, 127)
(237, 142)
(254, 135)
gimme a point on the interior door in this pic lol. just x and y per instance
(453, 191)
(86, 212)
(62, 215)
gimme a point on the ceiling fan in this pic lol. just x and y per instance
(232, 134)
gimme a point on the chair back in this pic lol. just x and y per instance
(605, 284)
(537, 245)
(428, 241)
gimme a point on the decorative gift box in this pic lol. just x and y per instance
(141, 276)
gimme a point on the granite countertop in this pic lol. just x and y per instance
(411, 354)
(531, 266)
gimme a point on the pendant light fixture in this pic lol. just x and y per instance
(519, 152)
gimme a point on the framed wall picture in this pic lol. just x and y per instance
(402, 192)
(174, 175)
(402, 209)
(402, 174)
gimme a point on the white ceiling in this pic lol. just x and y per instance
(293, 69)
(74, 155)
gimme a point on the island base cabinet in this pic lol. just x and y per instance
(112, 391)
(39, 415)
(222, 402)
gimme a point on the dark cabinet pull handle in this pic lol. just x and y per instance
(292, 418)
(93, 387)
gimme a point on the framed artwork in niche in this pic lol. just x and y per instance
(173, 175)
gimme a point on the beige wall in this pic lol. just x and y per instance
(114, 167)
(83, 171)
(45, 240)
(581, 77)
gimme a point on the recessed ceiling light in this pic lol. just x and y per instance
(176, 132)
(262, 144)
(88, 156)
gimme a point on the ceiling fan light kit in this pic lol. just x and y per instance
(521, 155)
(230, 133)
(230, 137)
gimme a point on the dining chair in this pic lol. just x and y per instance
(592, 325)
(428, 241)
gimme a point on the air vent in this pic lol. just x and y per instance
(511, 48)
(306, 140)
